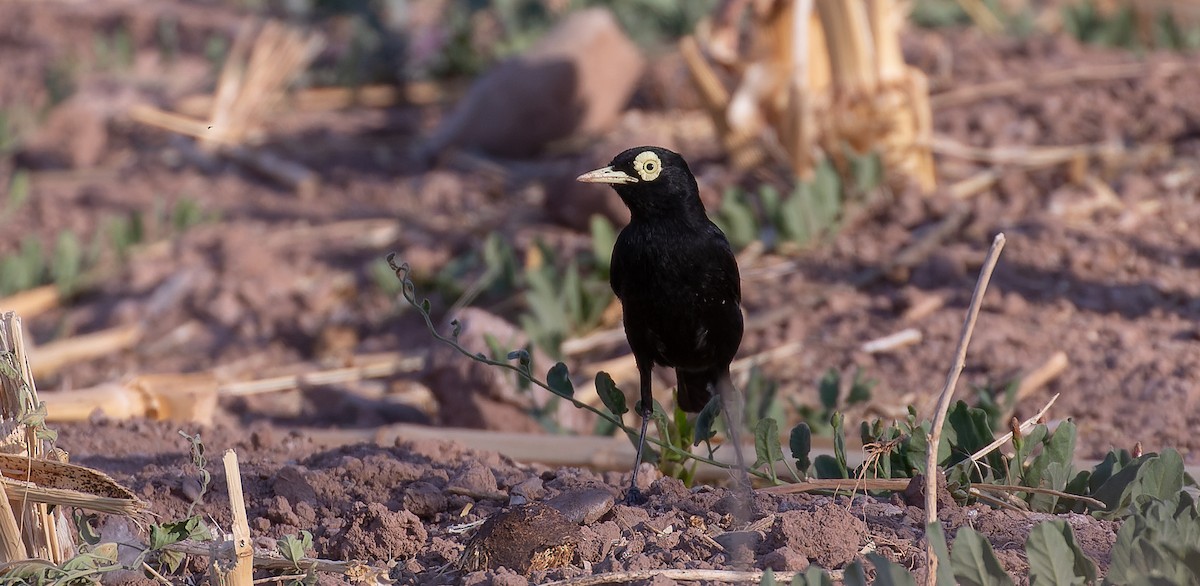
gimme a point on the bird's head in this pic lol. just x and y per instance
(651, 180)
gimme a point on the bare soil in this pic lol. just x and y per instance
(1100, 264)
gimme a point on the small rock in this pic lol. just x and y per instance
(290, 483)
(424, 499)
(785, 559)
(475, 479)
(583, 506)
(576, 79)
(532, 489)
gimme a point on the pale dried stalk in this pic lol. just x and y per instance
(38, 525)
(60, 497)
(947, 394)
(358, 572)
(1042, 375)
(32, 301)
(736, 576)
(12, 547)
(1024, 428)
(243, 548)
(1069, 76)
(836, 484)
(53, 356)
(885, 19)
(851, 49)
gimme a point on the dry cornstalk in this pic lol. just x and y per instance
(324, 99)
(947, 394)
(260, 65)
(243, 549)
(821, 75)
(55, 355)
(193, 397)
(892, 342)
(18, 401)
(31, 302)
(58, 483)
(1042, 375)
(174, 397)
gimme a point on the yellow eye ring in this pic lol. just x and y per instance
(647, 165)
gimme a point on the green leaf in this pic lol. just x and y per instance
(855, 575)
(706, 421)
(1153, 475)
(838, 421)
(889, 573)
(1055, 557)
(742, 228)
(860, 390)
(813, 576)
(559, 381)
(937, 539)
(85, 523)
(827, 466)
(974, 562)
(867, 170)
(766, 445)
(604, 237)
(800, 442)
(294, 549)
(829, 388)
(768, 578)
(170, 559)
(610, 395)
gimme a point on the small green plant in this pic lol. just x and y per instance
(1123, 28)
(293, 549)
(672, 447)
(69, 264)
(59, 79)
(113, 51)
(14, 124)
(833, 398)
(167, 37)
(811, 212)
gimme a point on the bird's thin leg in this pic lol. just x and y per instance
(646, 408)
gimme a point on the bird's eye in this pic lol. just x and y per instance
(647, 165)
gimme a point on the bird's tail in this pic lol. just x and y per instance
(694, 389)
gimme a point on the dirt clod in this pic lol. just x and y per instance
(829, 536)
(527, 538)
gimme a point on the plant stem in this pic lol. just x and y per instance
(408, 290)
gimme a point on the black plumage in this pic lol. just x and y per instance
(677, 278)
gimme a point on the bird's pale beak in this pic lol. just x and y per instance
(606, 175)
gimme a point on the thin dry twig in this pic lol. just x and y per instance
(838, 484)
(1040, 376)
(350, 568)
(939, 420)
(1012, 488)
(894, 341)
(690, 575)
(1024, 427)
(1070, 76)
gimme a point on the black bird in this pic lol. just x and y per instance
(677, 278)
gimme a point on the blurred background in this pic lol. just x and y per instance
(197, 199)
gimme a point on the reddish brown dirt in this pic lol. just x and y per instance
(280, 281)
